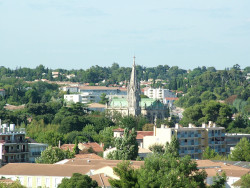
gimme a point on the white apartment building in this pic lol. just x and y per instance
(158, 93)
(193, 140)
(73, 98)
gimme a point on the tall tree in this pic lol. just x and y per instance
(126, 147)
(241, 151)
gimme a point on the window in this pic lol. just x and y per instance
(38, 182)
(47, 182)
(29, 181)
(21, 179)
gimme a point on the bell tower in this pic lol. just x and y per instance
(133, 93)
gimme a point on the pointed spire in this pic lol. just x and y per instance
(133, 74)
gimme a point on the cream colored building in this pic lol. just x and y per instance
(193, 140)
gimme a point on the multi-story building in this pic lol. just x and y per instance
(233, 138)
(13, 146)
(35, 150)
(158, 93)
(193, 140)
(73, 98)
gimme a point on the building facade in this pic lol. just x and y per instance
(193, 140)
(158, 93)
(13, 146)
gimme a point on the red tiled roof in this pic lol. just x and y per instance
(67, 147)
(95, 146)
(88, 156)
(141, 134)
(171, 98)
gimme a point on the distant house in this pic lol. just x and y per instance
(66, 147)
(85, 147)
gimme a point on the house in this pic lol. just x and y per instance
(233, 172)
(51, 175)
(66, 147)
(85, 147)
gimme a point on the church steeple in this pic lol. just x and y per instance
(133, 93)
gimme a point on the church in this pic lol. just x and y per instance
(134, 104)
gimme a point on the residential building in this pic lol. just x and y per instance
(193, 140)
(13, 146)
(159, 93)
(51, 175)
(35, 150)
(73, 98)
(232, 140)
(70, 89)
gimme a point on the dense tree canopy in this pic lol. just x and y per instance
(78, 181)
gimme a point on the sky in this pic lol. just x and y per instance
(78, 34)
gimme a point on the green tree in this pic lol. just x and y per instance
(168, 171)
(78, 181)
(209, 153)
(103, 98)
(245, 181)
(157, 148)
(52, 155)
(241, 151)
(172, 148)
(76, 149)
(128, 176)
(15, 184)
(126, 147)
(219, 181)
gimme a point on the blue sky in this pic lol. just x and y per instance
(74, 34)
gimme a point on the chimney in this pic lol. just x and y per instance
(190, 125)
(162, 126)
(210, 124)
(203, 125)
(177, 126)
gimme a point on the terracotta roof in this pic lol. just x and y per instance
(96, 105)
(141, 134)
(97, 164)
(101, 179)
(118, 130)
(218, 167)
(171, 98)
(2, 90)
(88, 156)
(67, 147)
(96, 147)
(33, 169)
